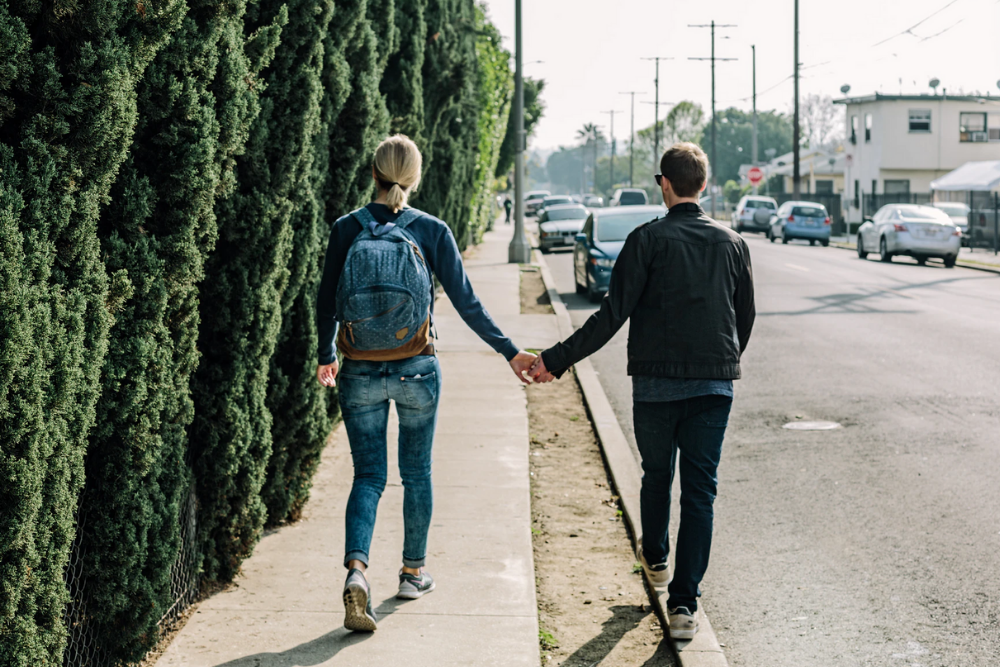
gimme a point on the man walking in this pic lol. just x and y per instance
(507, 205)
(686, 283)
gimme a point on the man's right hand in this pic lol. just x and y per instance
(327, 374)
(539, 373)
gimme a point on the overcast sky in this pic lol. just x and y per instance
(592, 48)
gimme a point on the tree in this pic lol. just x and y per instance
(735, 134)
(822, 122)
(566, 168)
(534, 107)
(68, 81)
(684, 122)
(159, 228)
(402, 83)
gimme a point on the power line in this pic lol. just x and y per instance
(918, 23)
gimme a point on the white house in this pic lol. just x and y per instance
(898, 144)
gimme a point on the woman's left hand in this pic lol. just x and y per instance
(327, 375)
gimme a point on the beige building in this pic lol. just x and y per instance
(898, 144)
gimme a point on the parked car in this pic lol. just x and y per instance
(959, 214)
(559, 225)
(598, 244)
(721, 205)
(629, 197)
(533, 199)
(806, 220)
(754, 213)
(921, 232)
(593, 201)
(554, 200)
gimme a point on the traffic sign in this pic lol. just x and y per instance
(755, 175)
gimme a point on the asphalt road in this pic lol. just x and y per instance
(877, 543)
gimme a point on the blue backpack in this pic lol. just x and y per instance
(384, 295)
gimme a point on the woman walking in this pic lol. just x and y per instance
(376, 301)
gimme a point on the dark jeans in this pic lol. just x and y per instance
(366, 387)
(695, 427)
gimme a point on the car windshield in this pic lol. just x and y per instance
(617, 227)
(954, 209)
(761, 203)
(569, 213)
(809, 212)
(923, 214)
(552, 201)
(632, 198)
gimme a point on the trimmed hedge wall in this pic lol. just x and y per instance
(169, 171)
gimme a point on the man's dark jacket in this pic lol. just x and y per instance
(687, 284)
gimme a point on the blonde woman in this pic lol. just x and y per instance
(376, 302)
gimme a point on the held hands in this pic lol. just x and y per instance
(521, 363)
(327, 375)
(539, 373)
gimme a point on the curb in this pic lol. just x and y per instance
(964, 263)
(704, 650)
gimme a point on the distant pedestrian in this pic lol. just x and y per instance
(686, 283)
(376, 299)
(507, 206)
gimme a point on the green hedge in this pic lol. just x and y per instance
(169, 172)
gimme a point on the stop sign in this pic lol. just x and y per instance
(755, 175)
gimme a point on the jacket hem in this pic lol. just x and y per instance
(685, 371)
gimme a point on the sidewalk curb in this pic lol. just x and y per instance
(704, 649)
(965, 264)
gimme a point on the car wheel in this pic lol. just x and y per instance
(580, 289)
(784, 239)
(770, 236)
(545, 251)
(949, 262)
(922, 261)
(812, 242)
(825, 242)
(883, 251)
(862, 253)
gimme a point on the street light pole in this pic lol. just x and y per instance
(713, 26)
(519, 251)
(614, 150)
(753, 148)
(656, 109)
(631, 141)
(796, 168)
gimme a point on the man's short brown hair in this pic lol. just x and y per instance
(685, 165)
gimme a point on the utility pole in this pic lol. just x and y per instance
(614, 149)
(631, 141)
(519, 251)
(656, 108)
(753, 148)
(713, 26)
(796, 138)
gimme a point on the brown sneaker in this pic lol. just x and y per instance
(658, 575)
(683, 624)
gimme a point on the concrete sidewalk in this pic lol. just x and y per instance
(286, 608)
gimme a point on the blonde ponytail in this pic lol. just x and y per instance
(397, 169)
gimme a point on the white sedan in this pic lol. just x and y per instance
(921, 232)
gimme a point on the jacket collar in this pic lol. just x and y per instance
(686, 207)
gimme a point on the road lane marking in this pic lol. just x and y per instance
(797, 267)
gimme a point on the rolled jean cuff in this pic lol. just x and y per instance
(356, 555)
(414, 562)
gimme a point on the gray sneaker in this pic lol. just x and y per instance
(412, 586)
(358, 613)
(659, 574)
(683, 624)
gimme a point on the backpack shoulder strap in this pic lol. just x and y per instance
(363, 216)
(407, 216)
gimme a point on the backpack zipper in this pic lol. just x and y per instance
(350, 324)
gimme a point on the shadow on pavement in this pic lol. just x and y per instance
(624, 619)
(317, 651)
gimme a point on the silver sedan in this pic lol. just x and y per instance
(558, 225)
(921, 232)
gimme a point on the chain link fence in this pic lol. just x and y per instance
(82, 649)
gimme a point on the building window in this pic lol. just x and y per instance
(868, 127)
(854, 129)
(824, 186)
(897, 187)
(972, 127)
(994, 126)
(920, 120)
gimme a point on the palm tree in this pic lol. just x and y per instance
(591, 135)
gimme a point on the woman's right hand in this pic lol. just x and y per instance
(327, 375)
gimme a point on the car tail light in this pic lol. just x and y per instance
(957, 232)
(791, 218)
(900, 228)
(827, 221)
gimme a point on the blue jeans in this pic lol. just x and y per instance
(695, 427)
(366, 387)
